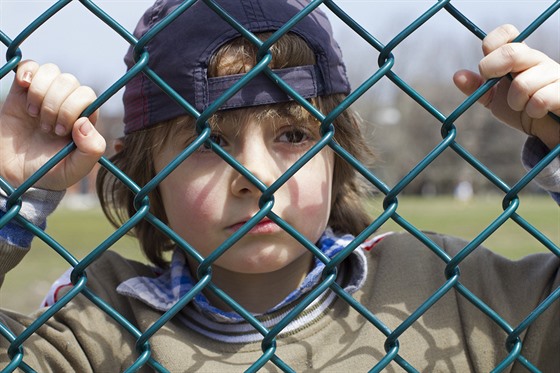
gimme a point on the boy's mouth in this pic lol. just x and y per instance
(265, 226)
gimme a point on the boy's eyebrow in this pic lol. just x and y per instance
(275, 114)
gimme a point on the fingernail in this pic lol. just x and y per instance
(33, 110)
(46, 127)
(27, 77)
(85, 128)
(59, 130)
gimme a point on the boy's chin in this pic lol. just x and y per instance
(264, 260)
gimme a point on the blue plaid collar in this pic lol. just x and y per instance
(165, 290)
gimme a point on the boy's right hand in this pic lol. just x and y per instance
(39, 117)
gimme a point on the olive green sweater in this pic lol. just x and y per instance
(452, 336)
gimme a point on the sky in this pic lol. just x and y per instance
(81, 44)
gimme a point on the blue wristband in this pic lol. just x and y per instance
(14, 234)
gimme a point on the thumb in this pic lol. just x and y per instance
(468, 82)
(90, 147)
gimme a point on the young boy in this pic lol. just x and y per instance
(230, 225)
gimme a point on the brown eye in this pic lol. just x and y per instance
(294, 136)
(216, 138)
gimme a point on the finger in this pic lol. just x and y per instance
(40, 83)
(547, 130)
(61, 87)
(24, 75)
(545, 100)
(71, 109)
(468, 82)
(498, 37)
(16, 102)
(90, 146)
(526, 84)
(510, 58)
(495, 99)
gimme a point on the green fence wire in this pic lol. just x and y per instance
(386, 60)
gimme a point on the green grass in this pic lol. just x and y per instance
(82, 231)
(468, 219)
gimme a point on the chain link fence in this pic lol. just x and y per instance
(386, 61)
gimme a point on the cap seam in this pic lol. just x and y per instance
(156, 13)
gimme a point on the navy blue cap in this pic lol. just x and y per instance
(181, 51)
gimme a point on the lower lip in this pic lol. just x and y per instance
(264, 227)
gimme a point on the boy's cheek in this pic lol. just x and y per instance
(186, 205)
(309, 202)
(196, 206)
(311, 186)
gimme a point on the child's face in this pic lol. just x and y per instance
(206, 200)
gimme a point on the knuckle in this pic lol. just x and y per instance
(66, 115)
(482, 67)
(100, 146)
(50, 68)
(508, 52)
(521, 85)
(509, 31)
(28, 62)
(28, 65)
(68, 80)
(502, 35)
(487, 45)
(48, 110)
(540, 101)
(87, 92)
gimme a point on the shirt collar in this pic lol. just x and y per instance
(165, 290)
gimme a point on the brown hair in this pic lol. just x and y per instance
(136, 159)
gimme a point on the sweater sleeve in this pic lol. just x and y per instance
(514, 290)
(81, 337)
(15, 240)
(534, 151)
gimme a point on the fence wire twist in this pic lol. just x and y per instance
(386, 60)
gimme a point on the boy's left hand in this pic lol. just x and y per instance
(524, 102)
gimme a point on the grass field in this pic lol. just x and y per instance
(82, 231)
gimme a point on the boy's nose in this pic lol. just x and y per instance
(256, 158)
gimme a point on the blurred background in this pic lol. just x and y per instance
(401, 131)
(81, 44)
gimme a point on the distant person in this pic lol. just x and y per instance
(464, 191)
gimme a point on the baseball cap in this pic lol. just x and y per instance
(180, 53)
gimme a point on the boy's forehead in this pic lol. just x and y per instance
(272, 115)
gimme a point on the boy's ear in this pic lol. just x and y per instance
(118, 145)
